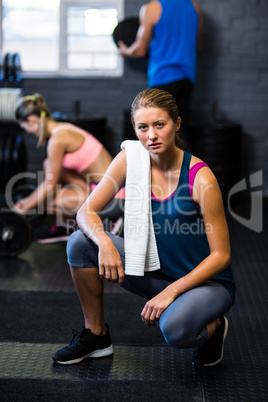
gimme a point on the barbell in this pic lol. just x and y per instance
(15, 233)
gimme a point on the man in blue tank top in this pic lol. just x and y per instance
(170, 33)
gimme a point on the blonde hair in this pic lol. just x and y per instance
(157, 98)
(34, 105)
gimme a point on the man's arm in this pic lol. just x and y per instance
(200, 25)
(149, 15)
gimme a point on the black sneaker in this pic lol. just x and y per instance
(211, 352)
(54, 235)
(84, 345)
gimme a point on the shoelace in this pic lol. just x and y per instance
(75, 335)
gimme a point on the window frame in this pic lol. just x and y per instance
(1, 33)
(63, 72)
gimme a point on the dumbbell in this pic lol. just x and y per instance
(16, 67)
(8, 67)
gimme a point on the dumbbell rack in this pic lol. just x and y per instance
(10, 70)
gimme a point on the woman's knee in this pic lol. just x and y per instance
(78, 247)
(176, 335)
(180, 331)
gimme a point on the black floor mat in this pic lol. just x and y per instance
(49, 317)
(143, 367)
(98, 391)
(39, 308)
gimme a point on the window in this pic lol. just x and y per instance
(62, 37)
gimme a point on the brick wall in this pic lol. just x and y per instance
(232, 71)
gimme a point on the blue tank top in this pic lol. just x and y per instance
(180, 233)
(172, 50)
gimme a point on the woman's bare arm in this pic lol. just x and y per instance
(110, 264)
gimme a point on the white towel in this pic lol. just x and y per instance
(140, 244)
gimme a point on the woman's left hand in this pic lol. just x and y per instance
(155, 307)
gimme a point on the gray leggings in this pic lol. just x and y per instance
(183, 323)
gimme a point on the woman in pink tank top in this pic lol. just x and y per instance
(75, 160)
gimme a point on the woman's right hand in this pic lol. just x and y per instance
(23, 205)
(110, 264)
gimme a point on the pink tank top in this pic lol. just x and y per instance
(83, 157)
(192, 173)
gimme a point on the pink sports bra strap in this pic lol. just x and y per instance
(83, 157)
(192, 173)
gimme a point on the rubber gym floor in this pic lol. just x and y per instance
(39, 309)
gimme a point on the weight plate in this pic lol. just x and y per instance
(19, 156)
(126, 31)
(15, 234)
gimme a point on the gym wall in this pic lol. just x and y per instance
(232, 73)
